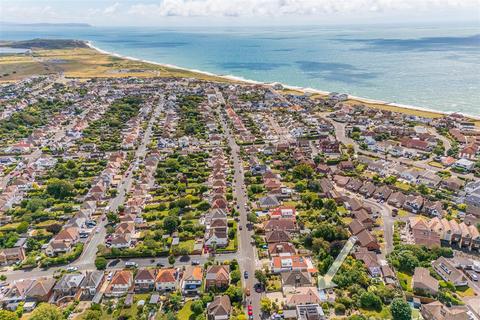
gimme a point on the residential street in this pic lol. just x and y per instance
(246, 251)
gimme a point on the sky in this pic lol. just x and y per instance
(237, 12)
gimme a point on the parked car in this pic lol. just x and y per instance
(131, 264)
(245, 275)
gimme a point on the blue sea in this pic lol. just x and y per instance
(429, 66)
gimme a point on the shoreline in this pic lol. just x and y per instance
(395, 107)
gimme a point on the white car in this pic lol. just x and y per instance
(72, 269)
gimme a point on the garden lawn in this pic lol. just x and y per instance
(405, 281)
(185, 312)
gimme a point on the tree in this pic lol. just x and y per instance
(101, 263)
(92, 315)
(59, 189)
(266, 305)
(235, 276)
(371, 301)
(171, 260)
(7, 315)
(170, 224)
(46, 311)
(197, 307)
(302, 171)
(235, 293)
(400, 310)
(261, 276)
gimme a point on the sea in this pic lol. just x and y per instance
(432, 66)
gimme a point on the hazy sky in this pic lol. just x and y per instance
(237, 12)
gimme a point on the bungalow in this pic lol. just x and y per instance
(120, 285)
(16, 293)
(40, 290)
(433, 208)
(438, 311)
(367, 240)
(363, 217)
(296, 279)
(447, 271)
(397, 199)
(465, 164)
(217, 276)
(413, 203)
(367, 189)
(292, 263)
(423, 282)
(356, 227)
(268, 202)
(283, 212)
(276, 236)
(370, 260)
(310, 311)
(220, 308)
(382, 193)
(354, 184)
(285, 224)
(192, 280)
(346, 165)
(281, 248)
(166, 280)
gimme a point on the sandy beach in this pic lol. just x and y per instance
(379, 104)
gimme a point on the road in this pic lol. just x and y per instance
(114, 265)
(246, 254)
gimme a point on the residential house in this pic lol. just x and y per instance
(68, 287)
(448, 272)
(63, 241)
(423, 282)
(219, 309)
(145, 280)
(10, 256)
(276, 236)
(166, 280)
(438, 311)
(370, 261)
(291, 263)
(397, 199)
(91, 283)
(284, 224)
(281, 248)
(120, 285)
(192, 280)
(217, 276)
(40, 290)
(413, 203)
(367, 240)
(295, 279)
(422, 233)
(310, 312)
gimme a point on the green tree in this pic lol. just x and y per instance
(266, 305)
(197, 307)
(171, 260)
(302, 171)
(92, 315)
(261, 277)
(59, 189)
(371, 301)
(235, 293)
(101, 263)
(7, 315)
(170, 224)
(46, 311)
(400, 310)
